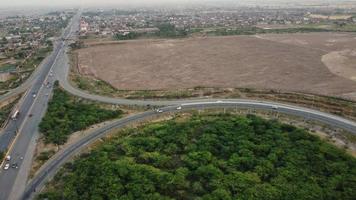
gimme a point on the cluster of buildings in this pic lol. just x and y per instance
(110, 22)
(19, 32)
(22, 36)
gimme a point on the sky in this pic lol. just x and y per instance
(34, 3)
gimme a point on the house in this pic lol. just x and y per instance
(84, 26)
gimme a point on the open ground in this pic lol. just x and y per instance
(316, 62)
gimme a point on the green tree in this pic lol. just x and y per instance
(213, 157)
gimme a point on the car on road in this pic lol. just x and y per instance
(34, 95)
(7, 166)
(179, 108)
(30, 115)
(15, 165)
(274, 107)
(219, 101)
(159, 111)
(8, 158)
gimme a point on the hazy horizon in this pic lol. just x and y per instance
(56, 3)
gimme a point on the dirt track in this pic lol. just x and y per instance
(287, 62)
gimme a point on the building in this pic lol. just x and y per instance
(84, 26)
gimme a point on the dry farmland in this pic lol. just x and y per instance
(320, 63)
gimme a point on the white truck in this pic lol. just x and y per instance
(15, 114)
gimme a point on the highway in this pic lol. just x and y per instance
(25, 129)
(26, 102)
(19, 136)
(49, 169)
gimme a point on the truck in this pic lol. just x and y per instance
(15, 115)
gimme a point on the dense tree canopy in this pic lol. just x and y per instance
(66, 115)
(209, 157)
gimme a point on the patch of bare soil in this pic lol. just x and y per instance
(290, 62)
(342, 63)
(325, 42)
(5, 77)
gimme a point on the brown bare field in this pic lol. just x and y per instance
(291, 62)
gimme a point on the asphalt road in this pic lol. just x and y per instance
(13, 181)
(19, 136)
(48, 170)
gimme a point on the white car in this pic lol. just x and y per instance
(34, 95)
(159, 111)
(179, 108)
(274, 107)
(7, 166)
(219, 101)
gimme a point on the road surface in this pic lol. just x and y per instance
(20, 135)
(49, 169)
(13, 181)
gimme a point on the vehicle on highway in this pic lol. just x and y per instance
(15, 115)
(15, 166)
(159, 111)
(7, 166)
(8, 158)
(219, 101)
(20, 144)
(179, 108)
(30, 115)
(274, 107)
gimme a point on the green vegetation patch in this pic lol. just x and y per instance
(6, 111)
(209, 157)
(44, 156)
(94, 85)
(165, 30)
(66, 115)
(169, 31)
(37, 58)
(7, 68)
